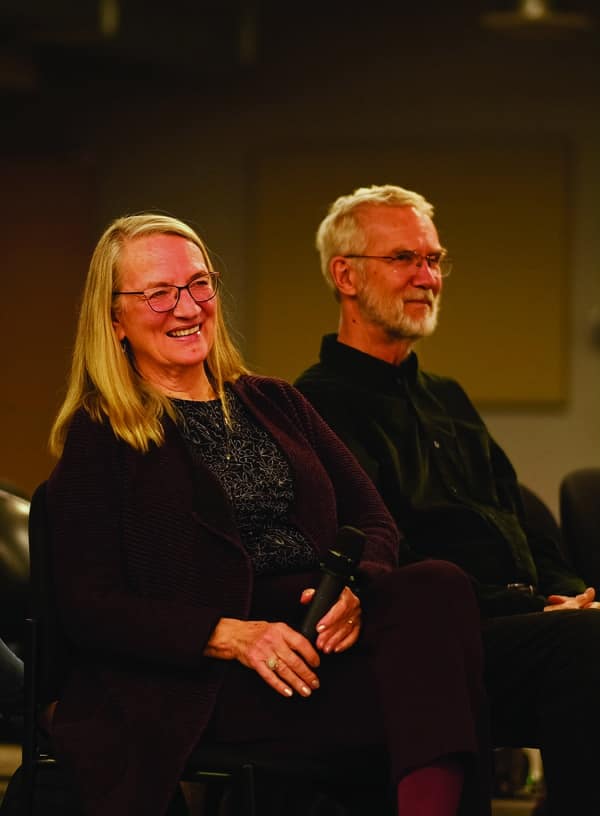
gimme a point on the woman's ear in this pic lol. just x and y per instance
(119, 331)
(343, 275)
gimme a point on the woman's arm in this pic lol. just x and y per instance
(102, 610)
(358, 502)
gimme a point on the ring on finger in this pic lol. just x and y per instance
(272, 662)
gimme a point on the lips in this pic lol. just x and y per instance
(184, 332)
(423, 298)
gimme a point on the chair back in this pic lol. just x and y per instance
(52, 658)
(579, 499)
(14, 564)
(539, 519)
(46, 653)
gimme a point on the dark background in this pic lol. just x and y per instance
(113, 107)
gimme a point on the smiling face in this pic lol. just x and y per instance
(169, 347)
(404, 303)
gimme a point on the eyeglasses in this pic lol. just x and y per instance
(166, 298)
(438, 262)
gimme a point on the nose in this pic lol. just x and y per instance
(186, 305)
(424, 277)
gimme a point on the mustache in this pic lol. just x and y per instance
(421, 297)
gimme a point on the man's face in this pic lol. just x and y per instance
(402, 299)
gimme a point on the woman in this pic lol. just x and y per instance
(189, 509)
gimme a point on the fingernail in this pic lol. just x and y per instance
(288, 692)
(306, 691)
(321, 627)
(315, 684)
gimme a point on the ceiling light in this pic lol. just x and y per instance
(535, 16)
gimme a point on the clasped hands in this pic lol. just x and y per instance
(283, 657)
(585, 600)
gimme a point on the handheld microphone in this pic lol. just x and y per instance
(337, 567)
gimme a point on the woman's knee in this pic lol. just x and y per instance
(433, 584)
(442, 578)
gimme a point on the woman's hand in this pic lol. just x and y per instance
(340, 627)
(585, 600)
(283, 657)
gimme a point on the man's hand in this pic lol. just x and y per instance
(583, 601)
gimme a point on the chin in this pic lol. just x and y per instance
(411, 329)
(190, 360)
(418, 328)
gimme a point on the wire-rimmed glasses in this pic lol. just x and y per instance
(437, 262)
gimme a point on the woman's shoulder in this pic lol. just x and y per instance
(88, 454)
(87, 432)
(269, 386)
(83, 422)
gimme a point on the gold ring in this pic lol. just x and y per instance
(272, 663)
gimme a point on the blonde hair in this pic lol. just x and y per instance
(340, 232)
(103, 380)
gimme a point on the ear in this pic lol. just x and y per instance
(119, 330)
(343, 275)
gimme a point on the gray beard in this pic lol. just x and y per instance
(390, 317)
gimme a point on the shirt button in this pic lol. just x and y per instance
(453, 489)
(436, 444)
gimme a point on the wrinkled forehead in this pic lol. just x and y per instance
(400, 227)
(158, 258)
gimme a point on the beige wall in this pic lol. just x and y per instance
(45, 213)
(523, 185)
(196, 152)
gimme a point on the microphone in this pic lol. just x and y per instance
(338, 568)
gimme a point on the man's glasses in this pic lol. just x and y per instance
(166, 298)
(438, 262)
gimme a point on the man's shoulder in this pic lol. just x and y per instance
(328, 388)
(440, 383)
(317, 375)
(322, 377)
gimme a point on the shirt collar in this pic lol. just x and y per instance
(372, 371)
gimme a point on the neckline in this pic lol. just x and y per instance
(216, 401)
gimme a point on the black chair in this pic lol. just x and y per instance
(14, 564)
(579, 500)
(518, 771)
(231, 774)
(539, 519)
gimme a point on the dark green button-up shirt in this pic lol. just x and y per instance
(451, 488)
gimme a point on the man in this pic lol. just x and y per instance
(450, 487)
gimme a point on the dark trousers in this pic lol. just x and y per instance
(413, 683)
(542, 673)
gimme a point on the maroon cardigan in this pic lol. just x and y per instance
(147, 559)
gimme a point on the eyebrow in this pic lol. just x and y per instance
(441, 251)
(201, 273)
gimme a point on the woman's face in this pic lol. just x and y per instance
(167, 346)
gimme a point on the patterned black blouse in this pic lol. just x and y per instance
(256, 477)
